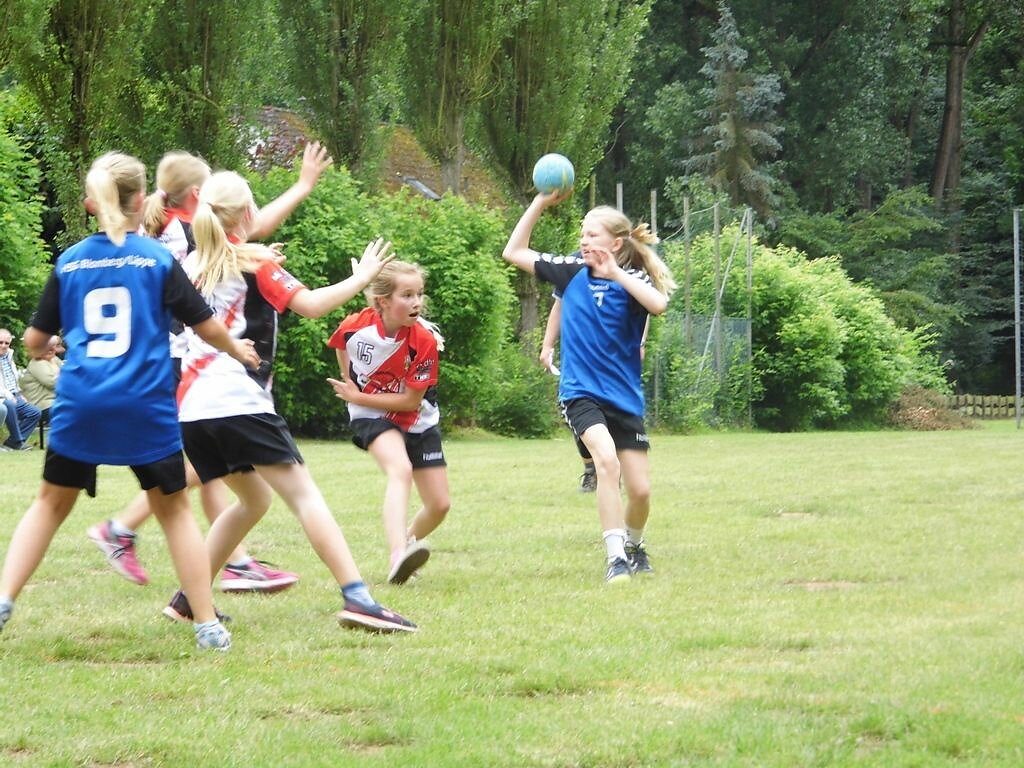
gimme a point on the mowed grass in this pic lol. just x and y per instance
(824, 599)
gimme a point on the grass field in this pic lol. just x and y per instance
(849, 599)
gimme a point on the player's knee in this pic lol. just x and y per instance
(607, 466)
(439, 509)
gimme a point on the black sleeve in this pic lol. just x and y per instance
(558, 270)
(46, 318)
(182, 298)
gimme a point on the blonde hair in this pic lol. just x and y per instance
(111, 185)
(176, 174)
(636, 251)
(225, 201)
(385, 283)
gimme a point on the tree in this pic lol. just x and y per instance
(961, 42)
(556, 94)
(75, 57)
(741, 112)
(339, 53)
(199, 82)
(25, 263)
(451, 47)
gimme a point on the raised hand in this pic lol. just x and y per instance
(602, 263)
(550, 199)
(375, 256)
(315, 161)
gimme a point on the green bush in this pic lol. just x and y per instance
(25, 263)
(469, 297)
(522, 398)
(680, 394)
(825, 354)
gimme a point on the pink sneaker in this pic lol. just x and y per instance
(255, 576)
(120, 552)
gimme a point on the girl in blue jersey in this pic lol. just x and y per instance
(609, 287)
(167, 217)
(113, 295)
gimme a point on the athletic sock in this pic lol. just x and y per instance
(119, 529)
(358, 593)
(199, 626)
(635, 536)
(614, 543)
(238, 563)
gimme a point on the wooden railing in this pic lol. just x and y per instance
(983, 406)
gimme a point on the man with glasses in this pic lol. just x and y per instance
(22, 417)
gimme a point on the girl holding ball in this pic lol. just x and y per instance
(609, 288)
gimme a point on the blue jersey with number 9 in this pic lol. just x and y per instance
(115, 394)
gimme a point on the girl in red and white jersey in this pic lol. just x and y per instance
(167, 217)
(228, 422)
(387, 355)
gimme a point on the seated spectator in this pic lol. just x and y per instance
(40, 377)
(22, 416)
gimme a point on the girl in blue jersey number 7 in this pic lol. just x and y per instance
(112, 295)
(609, 287)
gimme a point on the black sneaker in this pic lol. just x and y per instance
(636, 557)
(179, 610)
(618, 570)
(373, 619)
(588, 482)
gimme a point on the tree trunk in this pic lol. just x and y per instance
(526, 292)
(451, 164)
(948, 154)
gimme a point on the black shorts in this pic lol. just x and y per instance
(423, 448)
(219, 447)
(167, 474)
(627, 429)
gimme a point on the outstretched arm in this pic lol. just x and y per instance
(315, 161)
(320, 301)
(517, 250)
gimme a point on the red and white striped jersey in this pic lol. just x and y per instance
(214, 384)
(379, 363)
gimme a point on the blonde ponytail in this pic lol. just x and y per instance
(176, 175)
(113, 182)
(224, 202)
(637, 246)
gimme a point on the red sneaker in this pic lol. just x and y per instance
(255, 576)
(120, 552)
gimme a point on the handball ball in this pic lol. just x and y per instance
(553, 172)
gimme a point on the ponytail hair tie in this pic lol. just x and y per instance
(643, 234)
(162, 194)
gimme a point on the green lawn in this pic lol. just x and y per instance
(820, 600)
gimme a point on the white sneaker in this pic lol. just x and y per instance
(416, 554)
(212, 636)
